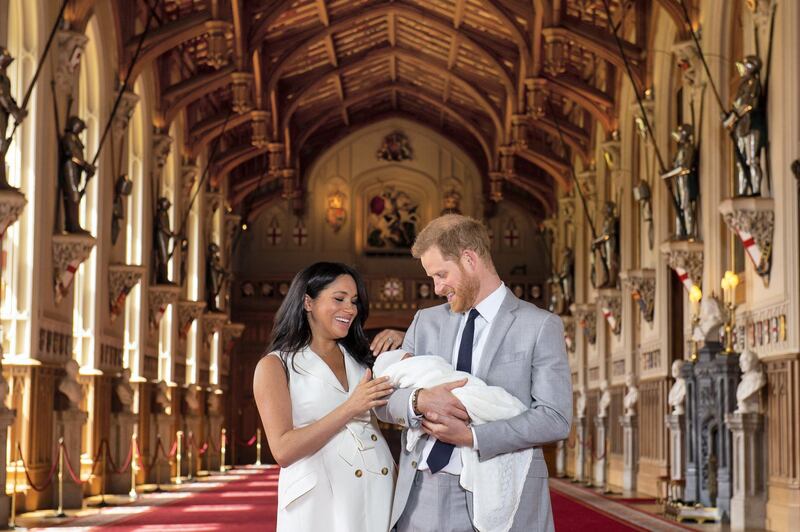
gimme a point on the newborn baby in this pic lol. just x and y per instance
(496, 484)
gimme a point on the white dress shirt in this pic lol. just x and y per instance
(487, 309)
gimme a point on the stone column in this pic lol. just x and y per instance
(561, 457)
(6, 418)
(600, 452)
(677, 458)
(630, 450)
(69, 425)
(580, 438)
(749, 500)
(121, 431)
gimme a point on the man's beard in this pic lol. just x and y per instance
(465, 294)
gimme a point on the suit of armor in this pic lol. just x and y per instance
(70, 175)
(8, 108)
(685, 189)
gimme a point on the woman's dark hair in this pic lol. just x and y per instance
(291, 331)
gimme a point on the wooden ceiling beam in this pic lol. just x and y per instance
(598, 104)
(557, 169)
(537, 194)
(440, 68)
(458, 14)
(181, 95)
(322, 11)
(391, 28)
(206, 131)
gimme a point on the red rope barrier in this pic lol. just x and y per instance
(28, 476)
(160, 446)
(172, 450)
(128, 461)
(75, 478)
(139, 455)
(248, 443)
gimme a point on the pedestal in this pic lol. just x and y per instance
(710, 395)
(630, 451)
(677, 458)
(161, 425)
(215, 441)
(69, 425)
(580, 449)
(561, 457)
(6, 419)
(600, 452)
(119, 445)
(749, 500)
(192, 427)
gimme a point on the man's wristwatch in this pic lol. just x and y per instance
(414, 398)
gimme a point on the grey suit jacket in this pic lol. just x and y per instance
(525, 354)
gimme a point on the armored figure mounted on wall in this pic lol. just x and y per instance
(607, 246)
(70, 174)
(566, 277)
(216, 276)
(162, 241)
(8, 108)
(122, 189)
(747, 122)
(685, 183)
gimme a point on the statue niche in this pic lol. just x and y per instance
(685, 187)
(606, 247)
(162, 241)
(216, 276)
(71, 169)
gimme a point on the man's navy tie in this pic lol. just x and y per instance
(441, 451)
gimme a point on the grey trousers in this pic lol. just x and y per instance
(437, 503)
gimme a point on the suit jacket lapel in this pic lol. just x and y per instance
(447, 336)
(497, 332)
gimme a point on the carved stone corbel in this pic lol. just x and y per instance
(519, 130)
(690, 64)
(69, 251)
(556, 52)
(188, 311)
(159, 298)
(121, 280)
(496, 186)
(642, 285)
(609, 302)
(12, 203)
(230, 332)
(686, 259)
(259, 136)
(127, 105)
(241, 92)
(536, 97)
(507, 160)
(585, 315)
(211, 323)
(289, 183)
(189, 173)
(612, 153)
(753, 219)
(218, 49)
(161, 146)
(276, 151)
(70, 46)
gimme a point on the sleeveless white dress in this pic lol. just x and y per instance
(348, 485)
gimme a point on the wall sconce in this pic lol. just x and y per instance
(729, 283)
(695, 295)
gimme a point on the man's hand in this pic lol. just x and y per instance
(386, 340)
(439, 400)
(448, 429)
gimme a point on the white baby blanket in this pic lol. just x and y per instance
(496, 484)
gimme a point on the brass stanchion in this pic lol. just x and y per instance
(178, 479)
(134, 468)
(102, 503)
(222, 443)
(258, 446)
(157, 489)
(60, 511)
(191, 457)
(12, 522)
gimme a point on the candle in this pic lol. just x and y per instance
(695, 295)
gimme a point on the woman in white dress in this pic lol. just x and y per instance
(315, 393)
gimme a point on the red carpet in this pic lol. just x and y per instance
(248, 504)
(570, 514)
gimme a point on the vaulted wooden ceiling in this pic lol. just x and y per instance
(269, 84)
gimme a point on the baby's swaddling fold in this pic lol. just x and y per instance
(496, 484)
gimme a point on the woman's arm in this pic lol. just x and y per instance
(274, 403)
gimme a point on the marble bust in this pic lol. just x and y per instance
(214, 403)
(712, 316)
(677, 393)
(69, 385)
(605, 400)
(631, 397)
(753, 379)
(124, 390)
(162, 397)
(192, 399)
(580, 403)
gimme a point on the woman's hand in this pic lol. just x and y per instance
(369, 394)
(386, 340)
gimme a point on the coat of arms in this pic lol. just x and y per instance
(395, 148)
(336, 213)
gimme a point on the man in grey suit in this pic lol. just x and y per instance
(486, 330)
